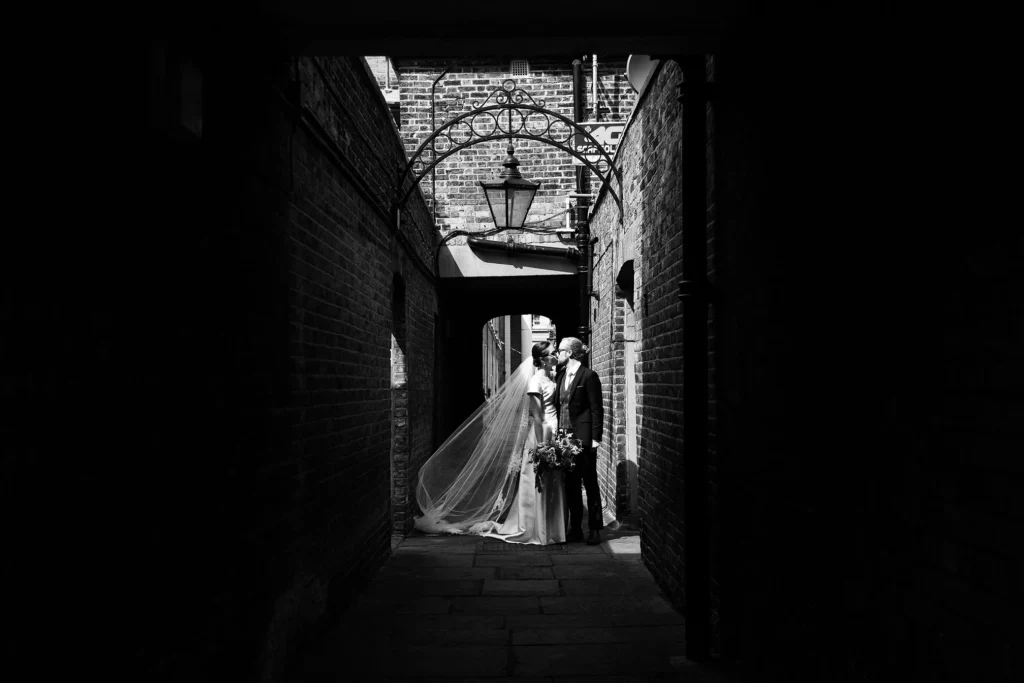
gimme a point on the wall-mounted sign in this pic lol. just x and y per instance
(606, 133)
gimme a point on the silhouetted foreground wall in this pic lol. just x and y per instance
(219, 355)
(867, 376)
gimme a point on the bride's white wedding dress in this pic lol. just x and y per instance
(480, 480)
(535, 517)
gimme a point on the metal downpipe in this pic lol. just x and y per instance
(582, 217)
(577, 109)
(583, 269)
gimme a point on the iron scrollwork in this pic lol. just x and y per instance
(507, 112)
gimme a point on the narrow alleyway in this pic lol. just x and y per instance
(465, 608)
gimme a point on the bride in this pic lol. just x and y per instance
(480, 481)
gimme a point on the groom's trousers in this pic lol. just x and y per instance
(585, 471)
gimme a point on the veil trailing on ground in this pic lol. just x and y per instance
(470, 481)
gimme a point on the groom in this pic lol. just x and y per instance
(580, 408)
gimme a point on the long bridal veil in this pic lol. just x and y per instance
(470, 481)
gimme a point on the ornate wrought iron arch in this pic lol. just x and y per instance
(483, 123)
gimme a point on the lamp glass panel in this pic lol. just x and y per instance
(496, 200)
(521, 199)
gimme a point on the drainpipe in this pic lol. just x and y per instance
(433, 147)
(694, 295)
(511, 246)
(577, 109)
(583, 268)
(582, 223)
(597, 114)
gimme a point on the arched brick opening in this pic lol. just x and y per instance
(401, 517)
(467, 305)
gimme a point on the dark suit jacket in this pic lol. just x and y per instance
(586, 406)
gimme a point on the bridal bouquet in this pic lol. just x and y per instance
(558, 453)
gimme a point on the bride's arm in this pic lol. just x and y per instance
(537, 410)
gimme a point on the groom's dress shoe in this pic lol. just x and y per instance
(594, 538)
(574, 536)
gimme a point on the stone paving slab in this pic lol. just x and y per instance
(501, 547)
(507, 573)
(428, 560)
(591, 634)
(413, 661)
(438, 545)
(512, 560)
(411, 588)
(602, 570)
(620, 585)
(583, 558)
(424, 622)
(390, 571)
(402, 605)
(584, 549)
(518, 622)
(399, 636)
(623, 546)
(603, 605)
(576, 660)
(444, 540)
(422, 549)
(457, 637)
(521, 587)
(492, 605)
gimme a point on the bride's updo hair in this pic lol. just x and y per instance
(540, 350)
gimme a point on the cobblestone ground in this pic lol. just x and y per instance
(463, 608)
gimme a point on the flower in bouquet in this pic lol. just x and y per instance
(559, 453)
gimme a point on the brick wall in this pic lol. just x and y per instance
(383, 70)
(382, 286)
(648, 156)
(460, 202)
(611, 463)
(254, 376)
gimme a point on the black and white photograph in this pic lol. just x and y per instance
(507, 342)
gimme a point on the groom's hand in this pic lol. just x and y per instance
(596, 444)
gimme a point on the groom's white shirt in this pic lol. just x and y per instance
(571, 366)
